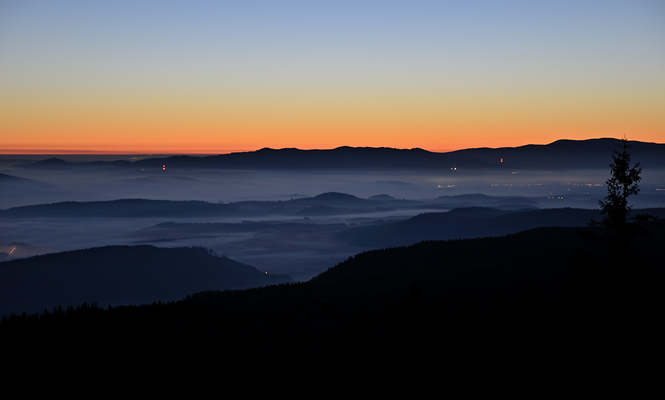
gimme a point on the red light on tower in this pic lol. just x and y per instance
(163, 167)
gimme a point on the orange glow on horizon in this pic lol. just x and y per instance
(215, 79)
(213, 150)
(209, 124)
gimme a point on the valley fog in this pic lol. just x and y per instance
(50, 185)
(301, 244)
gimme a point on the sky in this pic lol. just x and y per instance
(220, 76)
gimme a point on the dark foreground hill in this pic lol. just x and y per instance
(538, 299)
(115, 275)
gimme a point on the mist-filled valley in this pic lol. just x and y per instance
(294, 221)
(276, 255)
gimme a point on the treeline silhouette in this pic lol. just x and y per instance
(120, 275)
(537, 296)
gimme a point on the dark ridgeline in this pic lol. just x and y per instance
(559, 155)
(10, 179)
(338, 203)
(473, 207)
(536, 296)
(470, 222)
(120, 275)
(124, 208)
(24, 185)
(324, 204)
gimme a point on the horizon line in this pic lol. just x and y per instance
(31, 152)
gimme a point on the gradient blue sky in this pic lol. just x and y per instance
(214, 76)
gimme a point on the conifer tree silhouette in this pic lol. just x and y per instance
(620, 185)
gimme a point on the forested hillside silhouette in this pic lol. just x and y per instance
(120, 275)
(470, 222)
(458, 299)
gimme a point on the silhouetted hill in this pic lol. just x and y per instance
(332, 199)
(48, 163)
(477, 272)
(167, 208)
(120, 275)
(4, 178)
(472, 222)
(58, 163)
(559, 155)
(336, 197)
(119, 208)
(539, 298)
(10, 182)
(13, 187)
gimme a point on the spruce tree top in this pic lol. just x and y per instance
(622, 184)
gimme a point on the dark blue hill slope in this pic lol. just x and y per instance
(120, 275)
(472, 222)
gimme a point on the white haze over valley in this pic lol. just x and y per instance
(302, 256)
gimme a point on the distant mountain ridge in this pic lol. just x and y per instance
(559, 155)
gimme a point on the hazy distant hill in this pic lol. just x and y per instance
(120, 275)
(481, 200)
(58, 163)
(472, 222)
(559, 155)
(52, 162)
(173, 230)
(13, 187)
(332, 203)
(118, 208)
(11, 181)
(4, 178)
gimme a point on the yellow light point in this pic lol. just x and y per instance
(163, 167)
(501, 159)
